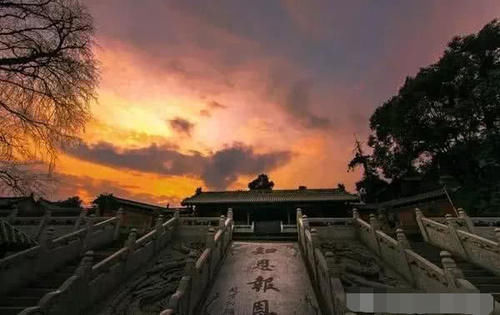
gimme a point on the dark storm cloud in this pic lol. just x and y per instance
(298, 104)
(216, 105)
(217, 170)
(212, 106)
(225, 165)
(181, 125)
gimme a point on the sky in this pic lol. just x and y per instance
(212, 93)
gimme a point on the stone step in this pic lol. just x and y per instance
(33, 292)
(68, 269)
(269, 237)
(24, 301)
(489, 288)
(11, 310)
(484, 280)
(468, 273)
(54, 280)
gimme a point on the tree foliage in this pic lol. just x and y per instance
(106, 202)
(261, 182)
(371, 184)
(48, 76)
(71, 202)
(446, 119)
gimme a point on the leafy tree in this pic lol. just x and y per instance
(446, 119)
(106, 202)
(48, 76)
(71, 202)
(341, 187)
(261, 183)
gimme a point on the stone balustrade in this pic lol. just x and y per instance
(12, 237)
(53, 252)
(200, 272)
(397, 253)
(35, 226)
(212, 221)
(94, 281)
(469, 246)
(330, 221)
(414, 268)
(330, 289)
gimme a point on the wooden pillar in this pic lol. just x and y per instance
(288, 215)
(248, 217)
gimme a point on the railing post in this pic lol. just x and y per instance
(177, 217)
(383, 222)
(118, 223)
(402, 240)
(452, 229)
(463, 215)
(230, 213)
(497, 236)
(159, 227)
(299, 214)
(403, 244)
(88, 233)
(80, 219)
(210, 242)
(43, 223)
(375, 226)
(222, 222)
(84, 273)
(355, 213)
(130, 243)
(305, 222)
(46, 239)
(315, 238)
(423, 231)
(452, 272)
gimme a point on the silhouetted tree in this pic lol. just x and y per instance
(261, 182)
(71, 202)
(446, 119)
(48, 76)
(106, 202)
(371, 184)
(341, 187)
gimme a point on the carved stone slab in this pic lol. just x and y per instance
(262, 278)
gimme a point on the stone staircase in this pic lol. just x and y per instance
(29, 295)
(13, 239)
(483, 279)
(275, 237)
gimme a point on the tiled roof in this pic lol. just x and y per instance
(272, 196)
(406, 200)
(138, 204)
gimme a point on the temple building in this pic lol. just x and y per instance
(272, 205)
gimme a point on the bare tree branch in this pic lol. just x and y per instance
(48, 78)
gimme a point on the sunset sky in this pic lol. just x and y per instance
(212, 93)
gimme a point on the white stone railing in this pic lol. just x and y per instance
(91, 282)
(469, 246)
(417, 270)
(396, 253)
(244, 228)
(330, 221)
(486, 221)
(23, 267)
(212, 221)
(199, 273)
(332, 295)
